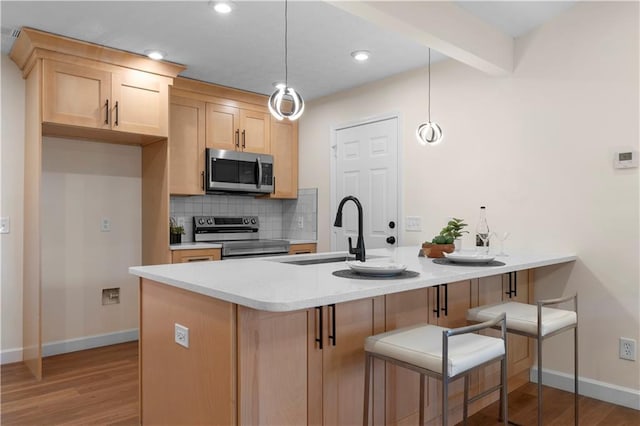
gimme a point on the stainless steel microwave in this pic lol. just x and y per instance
(242, 172)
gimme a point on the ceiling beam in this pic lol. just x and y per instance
(444, 27)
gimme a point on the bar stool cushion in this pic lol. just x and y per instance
(421, 345)
(523, 317)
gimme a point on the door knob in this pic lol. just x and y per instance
(392, 224)
(391, 239)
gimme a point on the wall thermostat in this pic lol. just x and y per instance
(625, 159)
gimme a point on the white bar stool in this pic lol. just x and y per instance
(446, 354)
(540, 323)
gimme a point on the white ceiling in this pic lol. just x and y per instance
(245, 49)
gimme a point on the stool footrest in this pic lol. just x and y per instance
(485, 393)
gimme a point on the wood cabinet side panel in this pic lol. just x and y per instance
(272, 361)
(31, 291)
(194, 385)
(155, 204)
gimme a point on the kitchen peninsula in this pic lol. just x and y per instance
(274, 342)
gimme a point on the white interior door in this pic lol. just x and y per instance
(367, 167)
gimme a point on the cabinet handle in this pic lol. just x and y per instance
(116, 122)
(244, 139)
(446, 299)
(106, 114)
(437, 309)
(319, 339)
(513, 285)
(332, 336)
(237, 138)
(199, 259)
(202, 176)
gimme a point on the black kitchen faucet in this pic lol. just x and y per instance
(359, 249)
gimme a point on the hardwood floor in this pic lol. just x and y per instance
(97, 386)
(100, 386)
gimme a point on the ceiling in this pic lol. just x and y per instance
(245, 49)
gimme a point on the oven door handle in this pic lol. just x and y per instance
(259, 163)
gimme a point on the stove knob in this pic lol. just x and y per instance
(209, 221)
(246, 220)
(253, 221)
(201, 221)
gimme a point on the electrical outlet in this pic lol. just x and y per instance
(181, 335)
(300, 222)
(627, 349)
(105, 224)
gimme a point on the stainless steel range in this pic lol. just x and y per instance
(238, 236)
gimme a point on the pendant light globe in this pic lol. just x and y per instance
(429, 133)
(285, 93)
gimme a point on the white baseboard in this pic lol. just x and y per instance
(602, 391)
(9, 356)
(88, 342)
(72, 345)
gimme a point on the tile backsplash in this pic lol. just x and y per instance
(286, 219)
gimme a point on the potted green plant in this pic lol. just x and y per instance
(175, 231)
(444, 241)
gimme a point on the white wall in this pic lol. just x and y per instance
(11, 189)
(82, 183)
(536, 148)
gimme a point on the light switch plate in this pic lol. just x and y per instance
(5, 225)
(413, 224)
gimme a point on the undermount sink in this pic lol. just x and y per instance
(317, 261)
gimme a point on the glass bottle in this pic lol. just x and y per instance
(482, 229)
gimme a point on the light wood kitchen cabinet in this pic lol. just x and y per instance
(195, 255)
(105, 97)
(67, 85)
(501, 288)
(186, 146)
(284, 148)
(445, 305)
(272, 356)
(302, 248)
(336, 371)
(239, 129)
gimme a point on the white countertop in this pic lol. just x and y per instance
(269, 285)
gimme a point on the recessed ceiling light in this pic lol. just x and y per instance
(360, 55)
(222, 7)
(155, 54)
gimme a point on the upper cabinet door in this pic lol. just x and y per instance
(126, 100)
(76, 95)
(284, 148)
(186, 146)
(254, 128)
(140, 103)
(223, 127)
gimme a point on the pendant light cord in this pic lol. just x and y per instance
(286, 65)
(429, 87)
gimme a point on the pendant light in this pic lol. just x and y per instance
(283, 92)
(429, 132)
